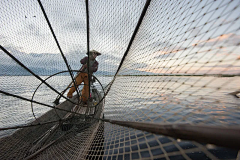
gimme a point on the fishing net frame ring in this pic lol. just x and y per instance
(100, 100)
(38, 88)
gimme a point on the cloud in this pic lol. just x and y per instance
(75, 25)
(33, 30)
(110, 57)
(133, 68)
(217, 70)
(162, 54)
(156, 70)
(136, 66)
(221, 66)
(48, 63)
(195, 31)
(226, 67)
(203, 70)
(42, 64)
(159, 49)
(2, 37)
(225, 39)
(168, 52)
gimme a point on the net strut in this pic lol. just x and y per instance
(134, 34)
(88, 62)
(55, 38)
(131, 40)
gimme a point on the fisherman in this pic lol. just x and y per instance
(83, 75)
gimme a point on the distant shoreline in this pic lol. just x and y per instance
(204, 75)
(195, 75)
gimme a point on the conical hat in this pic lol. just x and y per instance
(93, 51)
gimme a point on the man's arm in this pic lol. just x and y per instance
(94, 67)
(84, 60)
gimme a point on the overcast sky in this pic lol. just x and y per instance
(172, 37)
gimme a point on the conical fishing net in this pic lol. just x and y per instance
(167, 84)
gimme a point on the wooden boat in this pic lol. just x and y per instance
(72, 122)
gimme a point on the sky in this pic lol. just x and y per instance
(177, 37)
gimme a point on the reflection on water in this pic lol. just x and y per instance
(203, 100)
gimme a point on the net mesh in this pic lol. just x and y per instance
(181, 66)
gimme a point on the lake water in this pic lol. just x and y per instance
(159, 99)
(139, 98)
(203, 100)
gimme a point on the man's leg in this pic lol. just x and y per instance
(85, 91)
(79, 80)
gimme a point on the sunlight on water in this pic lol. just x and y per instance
(175, 99)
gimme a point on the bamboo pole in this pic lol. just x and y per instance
(222, 136)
